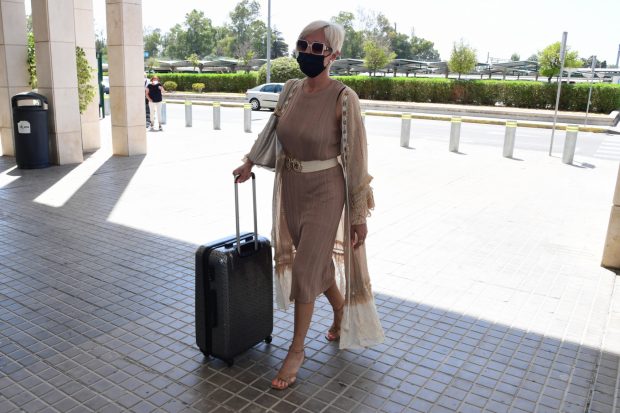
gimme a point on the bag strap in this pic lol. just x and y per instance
(283, 101)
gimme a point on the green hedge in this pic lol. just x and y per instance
(233, 82)
(510, 93)
(522, 94)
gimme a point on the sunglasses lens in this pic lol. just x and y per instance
(317, 48)
(302, 45)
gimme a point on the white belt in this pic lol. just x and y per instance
(296, 165)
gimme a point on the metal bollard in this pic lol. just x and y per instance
(188, 113)
(509, 138)
(455, 134)
(247, 117)
(570, 144)
(216, 115)
(405, 130)
(162, 115)
(106, 106)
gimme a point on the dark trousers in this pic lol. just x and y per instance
(148, 113)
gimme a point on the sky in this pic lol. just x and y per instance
(493, 28)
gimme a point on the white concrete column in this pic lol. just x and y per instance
(53, 23)
(85, 38)
(611, 253)
(126, 69)
(13, 72)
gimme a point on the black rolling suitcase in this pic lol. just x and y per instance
(234, 292)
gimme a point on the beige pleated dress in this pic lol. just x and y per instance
(312, 202)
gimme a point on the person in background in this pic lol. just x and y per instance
(321, 171)
(146, 102)
(154, 94)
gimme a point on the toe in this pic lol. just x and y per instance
(276, 384)
(279, 383)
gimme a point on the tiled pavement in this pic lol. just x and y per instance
(486, 273)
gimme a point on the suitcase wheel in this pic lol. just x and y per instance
(229, 362)
(268, 339)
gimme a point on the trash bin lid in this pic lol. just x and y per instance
(29, 99)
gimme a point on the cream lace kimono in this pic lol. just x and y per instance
(360, 325)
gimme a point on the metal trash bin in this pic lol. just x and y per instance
(30, 126)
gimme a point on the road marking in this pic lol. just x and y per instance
(608, 149)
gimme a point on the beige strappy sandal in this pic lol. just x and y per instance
(333, 334)
(287, 380)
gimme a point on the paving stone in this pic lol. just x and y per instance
(473, 297)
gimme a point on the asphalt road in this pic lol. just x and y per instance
(596, 145)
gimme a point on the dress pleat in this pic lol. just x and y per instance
(312, 202)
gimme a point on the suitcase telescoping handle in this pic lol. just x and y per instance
(237, 212)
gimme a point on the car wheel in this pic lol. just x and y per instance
(255, 104)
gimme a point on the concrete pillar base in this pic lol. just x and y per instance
(611, 252)
(126, 66)
(13, 73)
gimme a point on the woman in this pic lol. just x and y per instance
(321, 199)
(154, 92)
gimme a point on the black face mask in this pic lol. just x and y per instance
(311, 64)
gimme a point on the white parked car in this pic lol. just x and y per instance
(264, 96)
(106, 84)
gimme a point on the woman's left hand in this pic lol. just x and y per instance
(358, 234)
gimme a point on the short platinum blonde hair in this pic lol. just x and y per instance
(334, 33)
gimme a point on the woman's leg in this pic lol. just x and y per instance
(158, 106)
(336, 299)
(295, 357)
(154, 114)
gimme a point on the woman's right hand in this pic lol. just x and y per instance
(243, 171)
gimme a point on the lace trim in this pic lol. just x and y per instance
(361, 205)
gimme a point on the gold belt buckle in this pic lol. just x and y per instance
(293, 164)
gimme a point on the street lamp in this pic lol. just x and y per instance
(268, 41)
(557, 97)
(590, 92)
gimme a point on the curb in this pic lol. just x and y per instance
(445, 118)
(525, 124)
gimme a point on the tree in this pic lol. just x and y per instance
(174, 43)
(31, 61)
(588, 62)
(195, 61)
(463, 58)
(152, 42)
(101, 46)
(376, 55)
(241, 17)
(549, 60)
(223, 41)
(279, 48)
(151, 63)
(258, 36)
(375, 25)
(515, 57)
(196, 35)
(86, 90)
(400, 44)
(423, 49)
(282, 69)
(199, 33)
(533, 58)
(353, 46)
